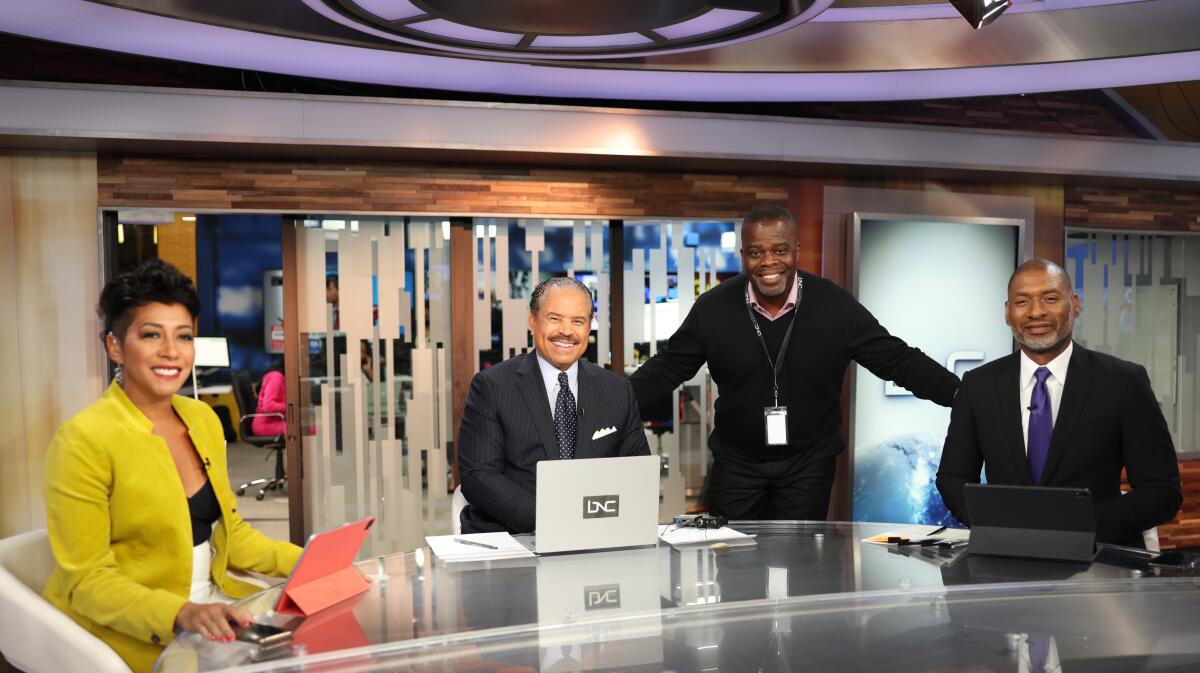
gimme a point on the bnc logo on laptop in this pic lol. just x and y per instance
(601, 506)
(602, 596)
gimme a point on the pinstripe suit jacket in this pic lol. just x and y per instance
(507, 428)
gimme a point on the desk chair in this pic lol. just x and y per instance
(243, 392)
(35, 636)
(458, 502)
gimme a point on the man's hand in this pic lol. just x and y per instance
(212, 620)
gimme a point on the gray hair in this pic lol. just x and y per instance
(556, 283)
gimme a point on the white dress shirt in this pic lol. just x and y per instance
(550, 379)
(1054, 386)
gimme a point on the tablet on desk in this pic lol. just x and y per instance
(1037, 522)
(325, 573)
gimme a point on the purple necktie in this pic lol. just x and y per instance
(1041, 424)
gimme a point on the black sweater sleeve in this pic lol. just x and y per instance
(679, 361)
(889, 358)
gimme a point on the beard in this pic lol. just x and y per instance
(1046, 342)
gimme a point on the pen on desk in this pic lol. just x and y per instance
(474, 543)
(936, 531)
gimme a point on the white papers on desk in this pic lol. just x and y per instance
(679, 535)
(918, 534)
(459, 548)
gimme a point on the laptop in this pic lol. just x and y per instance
(596, 503)
(1031, 522)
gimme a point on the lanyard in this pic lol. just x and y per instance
(777, 362)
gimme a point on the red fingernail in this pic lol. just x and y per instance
(212, 637)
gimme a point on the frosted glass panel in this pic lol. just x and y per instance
(511, 257)
(1141, 302)
(667, 265)
(376, 391)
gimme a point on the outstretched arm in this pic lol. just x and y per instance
(677, 362)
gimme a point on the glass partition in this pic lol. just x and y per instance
(376, 393)
(668, 263)
(1140, 295)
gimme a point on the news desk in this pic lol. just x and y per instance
(808, 597)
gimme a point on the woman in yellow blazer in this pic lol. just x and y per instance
(136, 481)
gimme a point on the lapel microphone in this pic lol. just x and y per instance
(207, 464)
(580, 411)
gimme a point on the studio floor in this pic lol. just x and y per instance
(269, 515)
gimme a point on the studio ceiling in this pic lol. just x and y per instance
(674, 50)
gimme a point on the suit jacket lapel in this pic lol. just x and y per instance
(1008, 391)
(1074, 397)
(587, 400)
(533, 389)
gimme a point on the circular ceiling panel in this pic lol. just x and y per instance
(570, 28)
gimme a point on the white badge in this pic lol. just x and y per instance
(776, 419)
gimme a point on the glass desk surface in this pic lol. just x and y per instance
(807, 596)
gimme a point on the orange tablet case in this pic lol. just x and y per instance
(325, 573)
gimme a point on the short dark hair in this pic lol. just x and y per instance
(153, 281)
(558, 282)
(1041, 264)
(767, 213)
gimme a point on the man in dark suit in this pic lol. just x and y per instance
(1058, 414)
(524, 410)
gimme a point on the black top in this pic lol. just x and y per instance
(832, 329)
(205, 511)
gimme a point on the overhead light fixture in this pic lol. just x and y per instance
(980, 13)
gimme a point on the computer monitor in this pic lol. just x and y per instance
(211, 352)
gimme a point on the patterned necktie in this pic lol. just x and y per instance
(1041, 424)
(564, 419)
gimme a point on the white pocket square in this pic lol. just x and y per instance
(603, 432)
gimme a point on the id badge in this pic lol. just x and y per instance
(776, 420)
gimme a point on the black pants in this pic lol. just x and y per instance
(790, 488)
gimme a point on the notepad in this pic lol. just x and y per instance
(909, 535)
(678, 535)
(476, 547)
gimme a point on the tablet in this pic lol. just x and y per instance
(325, 572)
(1031, 522)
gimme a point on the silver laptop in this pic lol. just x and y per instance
(596, 503)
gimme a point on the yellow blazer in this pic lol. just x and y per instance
(121, 531)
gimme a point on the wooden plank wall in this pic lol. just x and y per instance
(343, 187)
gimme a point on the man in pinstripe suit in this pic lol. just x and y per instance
(546, 405)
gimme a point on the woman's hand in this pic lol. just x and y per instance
(212, 620)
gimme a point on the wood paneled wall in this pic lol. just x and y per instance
(341, 187)
(50, 363)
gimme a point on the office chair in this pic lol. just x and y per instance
(243, 393)
(35, 636)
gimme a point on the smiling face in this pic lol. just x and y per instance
(769, 256)
(155, 352)
(1041, 310)
(561, 326)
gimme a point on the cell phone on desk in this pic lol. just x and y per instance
(264, 635)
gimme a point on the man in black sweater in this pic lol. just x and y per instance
(777, 342)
